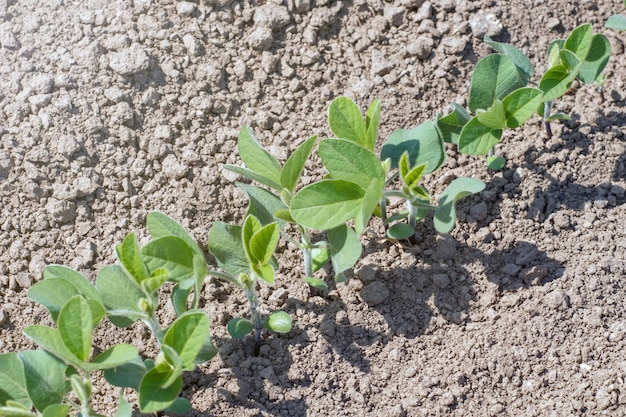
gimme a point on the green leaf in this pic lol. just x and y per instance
(320, 255)
(520, 105)
(445, 214)
(245, 172)
(450, 126)
(316, 283)
(12, 381)
(555, 82)
(400, 231)
(169, 356)
(161, 225)
(124, 409)
(263, 243)
(152, 396)
(251, 225)
(345, 248)
(262, 204)
(569, 59)
(284, 215)
(346, 121)
(326, 204)
(15, 409)
(477, 139)
(372, 196)
(423, 144)
(187, 335)
(129, 255)
(75, 327)
(158, 277)
(495, 163)
(495, 76)
(179, 406)
(596, 60)
(238, 328)
(45, 378)
(127, 375)
(553, 52)
(616, 22)
(350, 162)
(114, 357)
(226, 245)
(292, 170)
(56, 410)
(120, 292)
(579, 41)
(180, 293)
(494, 117)
(558, 116)
(265, 272)
(76, 279)
(52, 293)
(171, 253)
(372, 120)
(50, 339)
(279, 322)
(207, 352)
(520, 60)
(256, 158)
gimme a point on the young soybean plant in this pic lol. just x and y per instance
(500, 98)
(274, 204)
(245, 254)
(356, 187)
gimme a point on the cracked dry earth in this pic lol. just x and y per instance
(112, 109)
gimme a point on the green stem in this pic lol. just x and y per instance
(382, 204)
(307, 252)
(255, 314)
(412, 214)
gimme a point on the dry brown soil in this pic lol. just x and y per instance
(112, 109)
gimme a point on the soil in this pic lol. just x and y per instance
(112, 109)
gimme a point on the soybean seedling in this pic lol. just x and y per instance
(275, 203)
(244, 253)
(616, 21)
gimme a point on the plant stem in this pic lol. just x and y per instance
(491, 152)
(307, 252)
(255, 314)
(382, 204)
(412, 214)
(547, 109)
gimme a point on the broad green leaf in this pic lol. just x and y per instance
(553, 52)
(50, 339)
(520, 105)
(129, 255)
(279, 322)
(124, 409)
(450, 126)
(284, 215)
(400, 215)
(346, 121)
(400, 231)
(127, 375)
(579, 41)
(169, 355)
(445, 214)
(263, 243)
(15, 409)
(345, 248)
(423, 144)
(238, 328)
(372, 196)
(477, 139)
(262, 204)
(495, 163)
(207, 352)
(157, 278)
(120, 293)
(351, 162)
(556, 80)
(494, 117)
(372, 120)
(520, 60)
(326, 204)
(75, 327)
(171, 253)
(570, 60)
(180, 294)
(316, 283)
(187, 335)
(410, 175)
(320, 255)
(292, 170)
(179, 406)
(114, 357)
(45, 378)
(256, 158)
(245, 172)
(152, 396)
(76, 279)
(558, 116)
(265, 272)
(495, 76)
(251, 225)
(161, 225)
(226, 245)
(616, 22)
(596, 60)
(52, 293)
(12, 381)
(56, 410)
